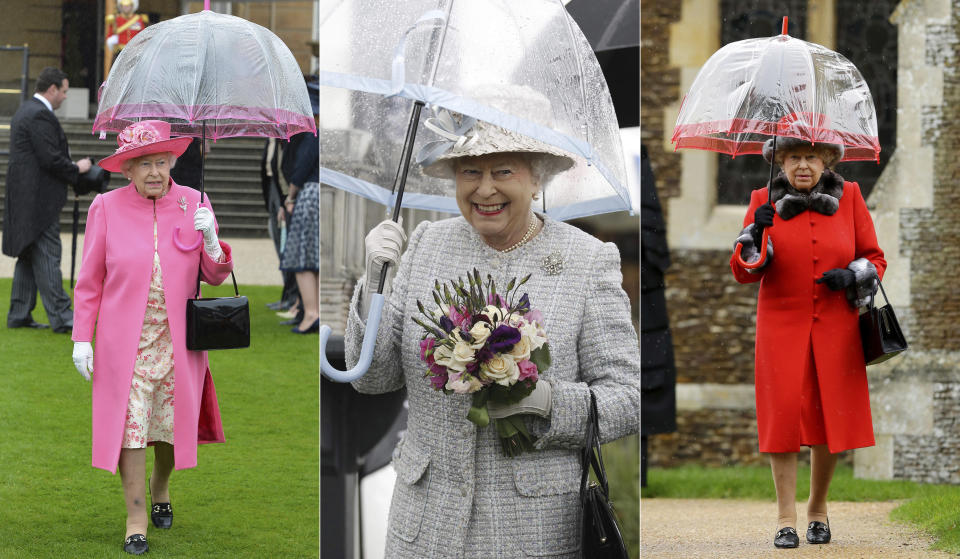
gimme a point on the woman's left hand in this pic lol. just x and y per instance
(538, 402)
(838, 278)
(203, 222)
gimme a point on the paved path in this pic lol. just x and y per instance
(733, 529)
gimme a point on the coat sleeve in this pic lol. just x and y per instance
(45, 141)
(93, 268)
(869, 263)
(213, 272)
(609, 355)
(386, 372)
(741, 274)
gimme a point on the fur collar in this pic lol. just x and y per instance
(823, 198)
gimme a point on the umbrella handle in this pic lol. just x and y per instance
(366, 351)
(759, 263)
(183, 247)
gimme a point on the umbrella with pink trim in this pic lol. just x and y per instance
(755, 89)
(207, 74)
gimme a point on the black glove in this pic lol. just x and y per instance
(838, 278)
(762, 217)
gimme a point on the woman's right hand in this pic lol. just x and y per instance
(384, 245)
(762, 218)
(83, 358)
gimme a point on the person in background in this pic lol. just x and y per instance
(301, 255)
(273, 185)
(658, 374)
(38, 173)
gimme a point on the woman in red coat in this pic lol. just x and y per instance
(821, 262)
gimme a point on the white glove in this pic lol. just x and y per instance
(538, 402)
(384, 244)
(112, 41)
(83, 358)
(203, 222)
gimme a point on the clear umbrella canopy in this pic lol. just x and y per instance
(233, 76)
(378, 56)
(751, 90)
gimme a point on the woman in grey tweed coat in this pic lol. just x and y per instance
(457, 494)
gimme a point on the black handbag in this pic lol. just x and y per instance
(600, 534)
(880, 333)
(218, 322)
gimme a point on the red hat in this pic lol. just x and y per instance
(144, 138)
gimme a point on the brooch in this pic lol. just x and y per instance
(182, 202)
(553, 264)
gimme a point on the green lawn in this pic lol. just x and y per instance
(933, 508)
(255, 496)
(621, 460)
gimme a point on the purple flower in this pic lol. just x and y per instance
(447, 324)
(527, 370)
(473, 367)
(502, 339)
(524, 304)
(426, 345)
(438, 369)
(438, 382)
(483, 354)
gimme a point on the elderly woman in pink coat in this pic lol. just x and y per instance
(140, 264)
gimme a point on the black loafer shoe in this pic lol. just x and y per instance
(162, 515)
(27, 323)
(786, 538)
(818, 532)
(136, 544)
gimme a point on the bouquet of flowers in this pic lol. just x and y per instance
(481, 342)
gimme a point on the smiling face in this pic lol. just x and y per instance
(803, 166)
(150, 174)
(494, 193)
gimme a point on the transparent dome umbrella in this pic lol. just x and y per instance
(756, 89)
(383, 61)
(209, 75)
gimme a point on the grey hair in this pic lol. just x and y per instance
(542, 167)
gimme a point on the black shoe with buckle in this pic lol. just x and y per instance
(786, 538)
(136, 544)
(818, 532)
(162, 515)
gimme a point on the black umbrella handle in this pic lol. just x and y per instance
(401, 180)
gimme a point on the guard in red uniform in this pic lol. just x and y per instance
(123, 26)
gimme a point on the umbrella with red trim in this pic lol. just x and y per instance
(752, 90)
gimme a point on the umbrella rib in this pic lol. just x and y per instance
(273, 87)
(568, 19)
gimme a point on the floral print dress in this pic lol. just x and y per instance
(150, 406)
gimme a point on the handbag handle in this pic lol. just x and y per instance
(887, 301)
(235, 290)
(591, 452)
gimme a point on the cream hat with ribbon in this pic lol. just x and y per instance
(465, 136)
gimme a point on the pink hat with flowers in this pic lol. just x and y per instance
(144, 138)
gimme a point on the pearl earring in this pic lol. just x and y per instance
(536, 195)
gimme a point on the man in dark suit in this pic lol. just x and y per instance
(38, 173)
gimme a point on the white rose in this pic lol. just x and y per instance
(444, 356)
(480, 332)
(465, 384)
(463, 354)
(502, 369)
(534, 335)
(521, 349)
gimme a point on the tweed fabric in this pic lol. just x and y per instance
(456, 494)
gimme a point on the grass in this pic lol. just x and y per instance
(932, 508)
(255, 496)
(621, 460)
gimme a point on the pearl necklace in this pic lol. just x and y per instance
(526, 237)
